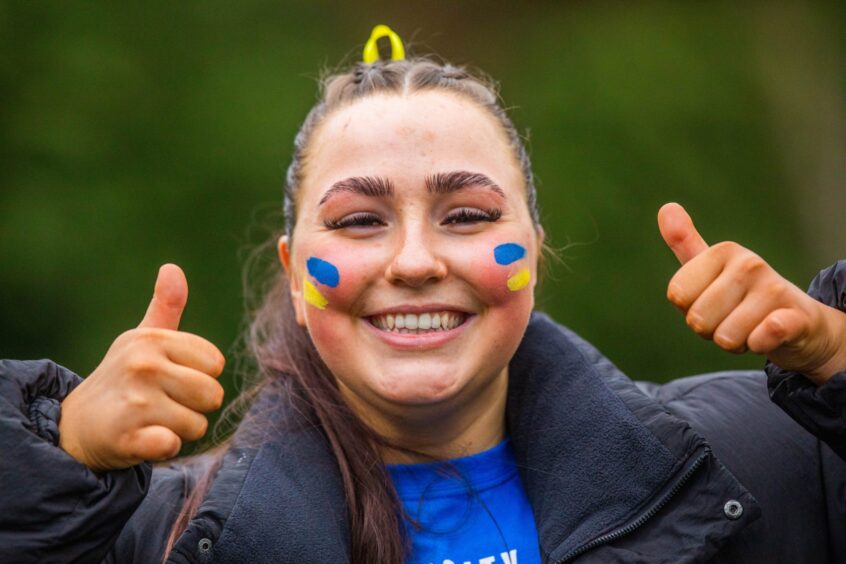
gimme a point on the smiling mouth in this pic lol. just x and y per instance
(418, 323)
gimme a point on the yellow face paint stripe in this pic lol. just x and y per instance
(313, 296)
(520, 280)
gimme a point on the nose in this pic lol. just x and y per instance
(417, 260)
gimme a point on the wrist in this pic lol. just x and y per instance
(832, 350)
(67, 437)
(837, 363)
(829, 288)
(827, 355)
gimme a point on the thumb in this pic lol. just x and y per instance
(679, 233)
(169, 298)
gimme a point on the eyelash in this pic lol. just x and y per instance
(354, 220)
(472, 215)
(462, 215)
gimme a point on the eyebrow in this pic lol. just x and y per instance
(448, 182)
(440, 183)
(373, 186)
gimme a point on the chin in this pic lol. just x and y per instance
(419, 390)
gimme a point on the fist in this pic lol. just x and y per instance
(732, 296)
(150, 391)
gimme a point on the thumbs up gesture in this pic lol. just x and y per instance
(150, 391)
(732, 296)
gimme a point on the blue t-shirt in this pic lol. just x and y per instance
(470, 510)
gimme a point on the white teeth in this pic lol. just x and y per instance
(410, 321)
(418, 323)
(424, 321)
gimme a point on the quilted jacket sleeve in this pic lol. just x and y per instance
(819, 409)
(52, 508)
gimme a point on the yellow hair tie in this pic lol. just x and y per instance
(371, 50)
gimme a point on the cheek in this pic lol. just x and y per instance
(500, 271)
(334, 278)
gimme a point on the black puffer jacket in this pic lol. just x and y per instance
(701, 469)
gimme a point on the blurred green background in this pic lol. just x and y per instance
(142, 133)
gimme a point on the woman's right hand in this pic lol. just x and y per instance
(149, 392)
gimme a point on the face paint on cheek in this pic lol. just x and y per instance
(508, 253)
(324, 272)
(312, 295)
(519, 280)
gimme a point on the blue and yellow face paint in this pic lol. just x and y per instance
(509, 253)
(323, 272)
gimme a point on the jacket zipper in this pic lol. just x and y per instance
(614, 535)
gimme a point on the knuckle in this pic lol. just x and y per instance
(775, 327)
(726, 248)
(749, 264)
(135, 400)
(150, 334)
(774, 291)
(142, 363)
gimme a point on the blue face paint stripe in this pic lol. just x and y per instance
(324, 272)
(508, 253)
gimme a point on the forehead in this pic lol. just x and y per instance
(406, 138)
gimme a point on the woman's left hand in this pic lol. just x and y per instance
(733, 297)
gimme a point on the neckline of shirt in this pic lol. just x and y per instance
(465, 475)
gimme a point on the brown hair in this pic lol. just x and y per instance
(283, 351)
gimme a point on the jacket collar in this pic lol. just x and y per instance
(596, 455)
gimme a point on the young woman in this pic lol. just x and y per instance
(412, 406)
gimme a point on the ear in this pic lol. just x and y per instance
(293, 279)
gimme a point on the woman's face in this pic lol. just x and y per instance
(414, 257)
